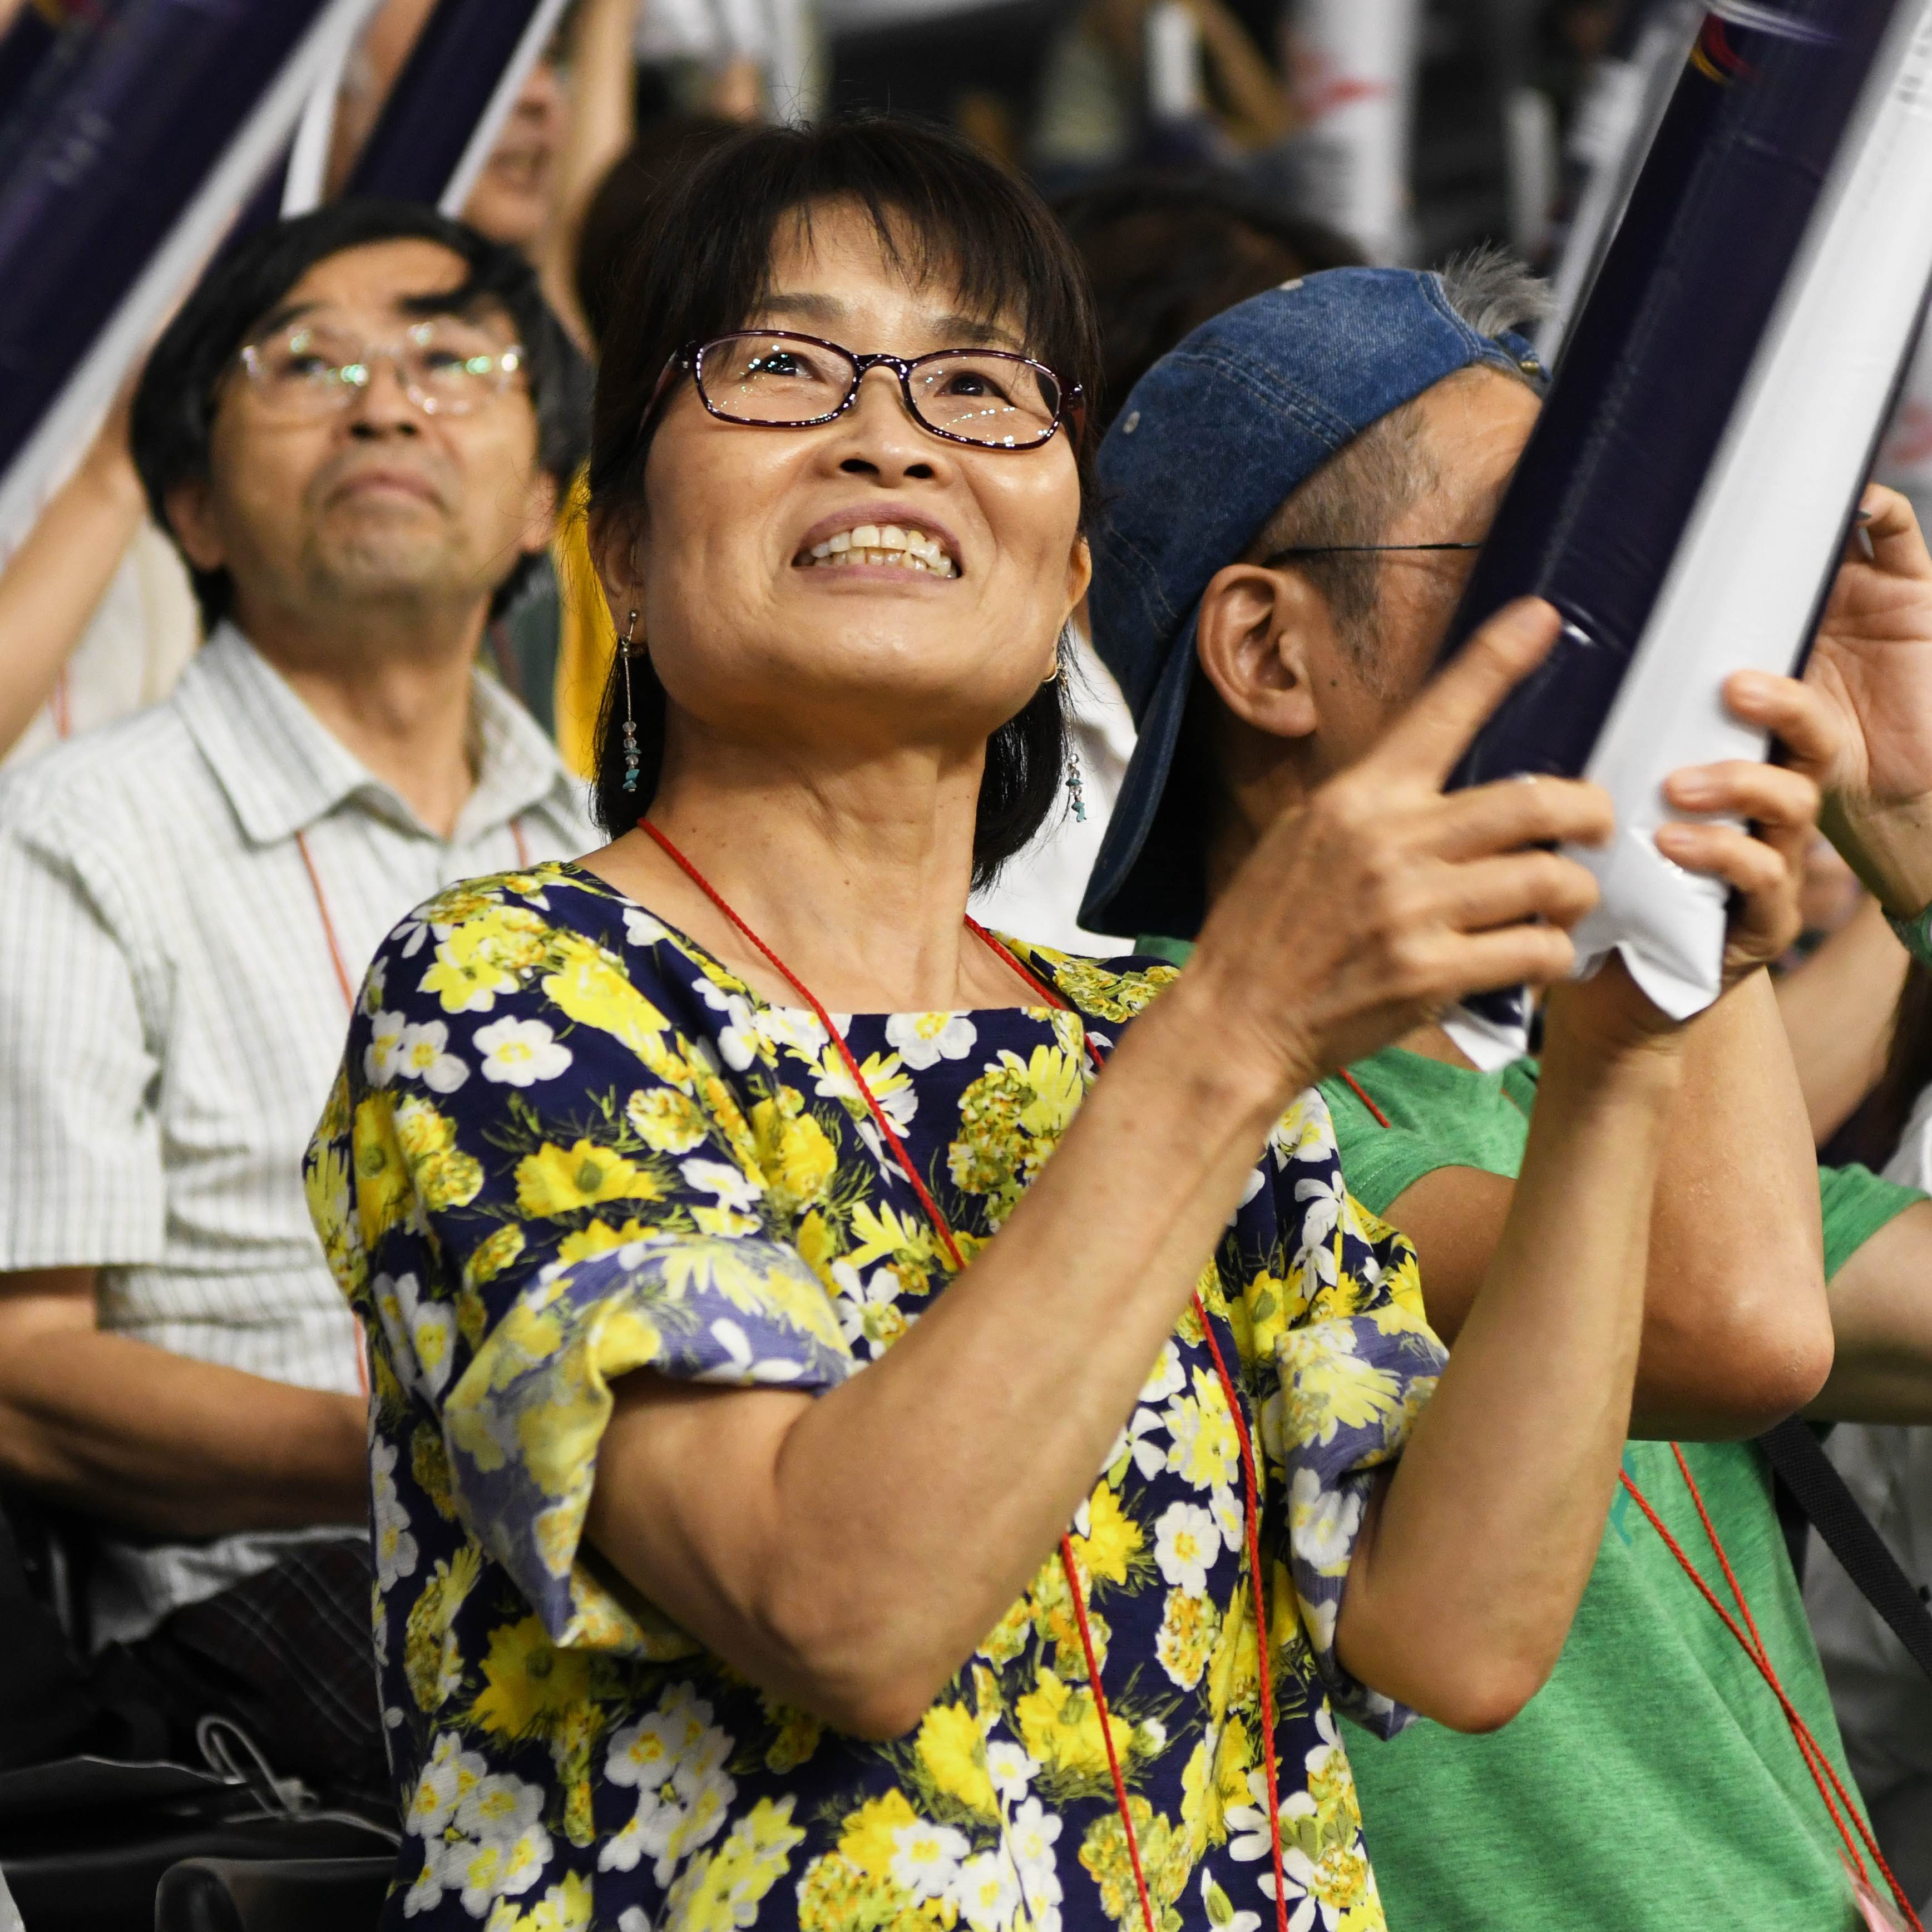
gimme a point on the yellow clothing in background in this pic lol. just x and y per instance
(587, 644)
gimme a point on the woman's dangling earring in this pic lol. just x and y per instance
(631, 760)
(1073, 789)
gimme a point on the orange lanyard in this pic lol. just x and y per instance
(348, 986)
(1816, 1761)
(1068, 1564)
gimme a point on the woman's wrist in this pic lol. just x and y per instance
(1890, 849)
(1216, 1060)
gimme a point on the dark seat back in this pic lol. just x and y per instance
(273, 1895)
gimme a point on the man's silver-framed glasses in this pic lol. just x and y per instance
(777, 379)
(446, 366)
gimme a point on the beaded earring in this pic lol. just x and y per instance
(1074, 794)
(631, 760)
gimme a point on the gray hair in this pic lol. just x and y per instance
(1492, 290)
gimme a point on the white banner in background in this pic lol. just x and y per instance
(1354, 64)
(1742, 588)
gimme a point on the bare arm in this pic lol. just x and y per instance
(1837, 1008)
(160, 1442)
(756, 1519)
(1882, 1312)
(1736, 1333)
(601, 123)
(53, 582)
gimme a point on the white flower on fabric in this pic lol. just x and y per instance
(1323, 1524)
(499, 1809)
(448, 1778)
(919, 1039)
(1248, 1835)
(986, 1892)
(888, 1165)
(900, 1104)
(1166, 1378)
(422, 1054)
(926, 1858)
(421, 1335)
(1151, 1737)
(1253, 1186)
(1221, 1915)
(517, 1053)
(868, 1310)
(1031, 1834)
(1011, 1769)
(395, 1547)
(493, 1868)
(386, 1030)
(739, 1039)
(1226, 1507)
(375, 985)
(675, 1758)
(795, 1028)
(412, 932)
(732, 1186)
(633, 1918)
(739, 1366)
(641, 929)
(1150, 1457)
(1186, 1540)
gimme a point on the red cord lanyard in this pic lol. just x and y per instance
(1816, 1761)
(348, 986)
(1068, 1563)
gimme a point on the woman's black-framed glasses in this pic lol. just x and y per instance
(776, 379)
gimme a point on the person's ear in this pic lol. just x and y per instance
(1079, 574)
(1258, 640)
(617, 549)
(192, 522)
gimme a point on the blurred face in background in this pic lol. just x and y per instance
(513, 196)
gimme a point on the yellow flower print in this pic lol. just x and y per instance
(907, 1238)
(835, 1896)
(794, 1156)
(1327, 1386)
(870, 1839)
(483, 957)
(1234, 1671)
(1111, 996)
(719, 1890)
(1204, 1448)
(1061, 1728)
(1053, 1613)
(1113, 1538)
(432, 1663)
(795, 1736)
(599, 1238)
(563, 1908)
(530, 1682)
(1187, 1637)
(593, 989)
(1109, 1863)
(666, 1121)
(330, 1197)
(429, 1463)
(491, 1256)
(953, 1751)
(559, 1180)
(1008, 1637)
(382, 1181)
(572, 1744)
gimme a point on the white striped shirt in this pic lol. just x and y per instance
(171, 1020)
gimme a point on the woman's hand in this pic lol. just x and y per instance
(1379, 900)
(1764, 866)
(1871, 666)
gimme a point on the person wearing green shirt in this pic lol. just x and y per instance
(1654, 1782)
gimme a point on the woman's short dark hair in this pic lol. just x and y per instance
(174, 407)
(700, 268)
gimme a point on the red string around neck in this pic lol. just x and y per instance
(1070, 1567)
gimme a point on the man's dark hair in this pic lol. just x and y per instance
(1166, 253)
(174, 407)
(699, 268)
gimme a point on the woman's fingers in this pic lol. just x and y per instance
(1798, 715)
(1898, 544)
(1507, 890)
(1438, 727)
(1746, 864)
(1775, 797)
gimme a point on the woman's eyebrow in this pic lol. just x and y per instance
(951, 330)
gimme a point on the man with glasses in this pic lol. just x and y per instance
(356, 431)
(1358, 429)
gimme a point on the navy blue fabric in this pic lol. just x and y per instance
(1211, 441)
(1652, 371)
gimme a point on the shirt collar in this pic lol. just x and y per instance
(283, 769)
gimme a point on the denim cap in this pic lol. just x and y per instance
(1213, 438)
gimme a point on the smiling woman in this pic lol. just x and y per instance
(838, 1463)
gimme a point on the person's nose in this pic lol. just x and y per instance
(878, 435)
(381, 405)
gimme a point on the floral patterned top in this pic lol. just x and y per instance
(567, 1143)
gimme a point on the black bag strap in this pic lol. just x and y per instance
(1820, 1492)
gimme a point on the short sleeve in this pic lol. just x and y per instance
(81, 1178)
(532, 1184)
(1856, 1204)
(1353, 1359)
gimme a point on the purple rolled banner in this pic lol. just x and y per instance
(122, 172)
(1684, 497)
(450, 101)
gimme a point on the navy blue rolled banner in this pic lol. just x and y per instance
(1669, 503)
(121, 170)
(441, 118)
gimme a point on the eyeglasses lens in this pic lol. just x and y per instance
(999, 400)
(446, 366)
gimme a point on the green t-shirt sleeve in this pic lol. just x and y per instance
(1856, 1203)
(1380, 1163)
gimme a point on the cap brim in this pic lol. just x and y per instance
(1138, 884)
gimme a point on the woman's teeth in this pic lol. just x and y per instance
(886, 544)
